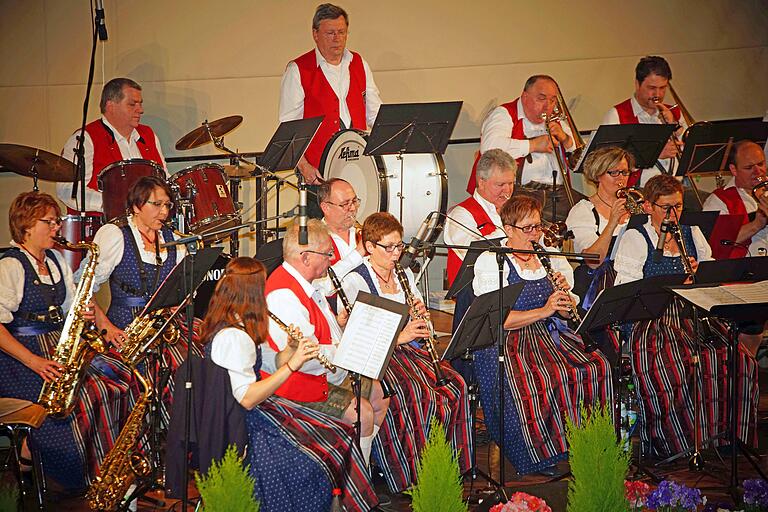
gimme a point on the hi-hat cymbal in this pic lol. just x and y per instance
(242, 170)
(36, 163)
(201, 135)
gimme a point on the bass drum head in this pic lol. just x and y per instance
(343, 158)
(211, 279)
(423, 189)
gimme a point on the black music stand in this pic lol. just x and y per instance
(644, 141)
(704, 219)
(467, 270)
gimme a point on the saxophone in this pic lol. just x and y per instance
(123, 463)
(142, 329)
(79, 343)
(429, 343)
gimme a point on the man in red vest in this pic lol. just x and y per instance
(328, 80)
(646, 106)
(117, 135)
(292, 297)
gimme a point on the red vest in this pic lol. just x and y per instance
(517, 133)
(484, 225)
(320, 100)
(730, 196)
(301, 386)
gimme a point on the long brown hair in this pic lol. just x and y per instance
(238, 301)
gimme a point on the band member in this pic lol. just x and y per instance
(294, 300)
(410, 374)
(37, 291)
(518, 128)
(296, 455)
(646, 106)
(549, 375)
(329, 80)
(117, 135)
(662, 350)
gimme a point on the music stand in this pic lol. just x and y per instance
(705, 220)
(738, 270)
(644, 141)
(271, 254)
(467, 270)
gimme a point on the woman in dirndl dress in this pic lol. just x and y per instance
(663, 350)
(299, 458)
(36, 291)
(548, 374)
(410, 374)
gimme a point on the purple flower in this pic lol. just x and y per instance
(671, 494)
(756, 492)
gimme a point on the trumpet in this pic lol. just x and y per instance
(761, 189)
(572, 309)
(296, 335)
(635, 200)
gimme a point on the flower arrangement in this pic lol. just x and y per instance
(673, 497)
(637, 493)
(755, 495)
(522, 502)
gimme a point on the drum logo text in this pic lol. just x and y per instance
(349, 154)
(214, 274)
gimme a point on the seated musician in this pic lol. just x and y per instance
(747, 165)
(292, 450)
(662, 350)
(36, 292)
(538, 343)
(416, 397)
(294, 300)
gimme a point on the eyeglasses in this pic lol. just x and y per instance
(668, 207)
(391, 248)
(160, 204)
(328, 254)
(529, 229)
(52, 223)
(330, 34)
(347, 205)
(615, 172)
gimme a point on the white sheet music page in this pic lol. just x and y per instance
(367, 338)
(730, 294)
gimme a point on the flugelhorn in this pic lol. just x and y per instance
(635, 200)
(761, 189)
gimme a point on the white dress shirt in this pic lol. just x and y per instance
(455, 233)
(12, 282)
(292, 93)
(581, 222)
(128, 149)
(632, 252)
(288, 308)
(233, 349)
(714, 203)
(350, 260)
(496, 132)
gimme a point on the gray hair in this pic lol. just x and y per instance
(328, 12)
(497, 158)
(535, 78)
(113, 91)
(325, 188)
(317, 231)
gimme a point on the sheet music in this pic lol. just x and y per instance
(731, 294)
(367, 339)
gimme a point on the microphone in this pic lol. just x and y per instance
(406, 259)
(733, 243)
(303, 235)
(101, 25)
(664, 228)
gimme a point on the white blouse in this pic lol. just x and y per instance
(353, 283)
(581, 222)
(233, 349)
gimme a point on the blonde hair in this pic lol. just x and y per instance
(601, 160)
(317, 231)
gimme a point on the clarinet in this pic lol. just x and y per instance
(296, 335)
(551, 276)
(429, 343)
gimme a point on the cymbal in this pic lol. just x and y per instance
(36, 163)
(239, 171)
(200, 135)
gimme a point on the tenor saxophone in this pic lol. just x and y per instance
(141, 330)
(78, 344)
(124, 463)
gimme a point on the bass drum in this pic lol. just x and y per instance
(380, 183)
(211, 279)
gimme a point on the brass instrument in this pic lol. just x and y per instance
(562, 164)
(761, 189)
(572, 309)
(296, 335)
(555, 233)
(578, 141)
(635, 200)
(431, 341)
(142, 329)
(123, 464)
(78, 344)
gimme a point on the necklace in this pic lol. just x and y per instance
(606, 203)
(520, 257)
(146, 238)
(385, 282)
(41, 267)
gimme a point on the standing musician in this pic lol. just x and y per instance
(518, 128)
(411, 375)
(292, 451)
(747, 165)
(328, 80)
(36, 291)
(662, 350)
(646, 106)
(117, 135)
(292, 297)
(549, 375)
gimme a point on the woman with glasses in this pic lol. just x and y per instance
(663, 350)
(410, 375)
(36, 291)
(549, 375)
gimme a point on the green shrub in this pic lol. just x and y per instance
(227, 487)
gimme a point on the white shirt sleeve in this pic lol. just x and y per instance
(703, 250)
(496, 132)
(291, 105)
(109, 238)
(64, 189)
(234, 350)
(714, 203)
(611, 117)
(486, 277)
(353, 283)
(581, 222)
(630, 258)
(12, 284)
(372, 98)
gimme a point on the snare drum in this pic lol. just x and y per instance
(212, 203)
(116, 179)
(70, 229)
(381, 184)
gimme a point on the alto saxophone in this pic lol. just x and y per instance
(431, 341)
(551, 276)
(142, 329)
(123, 464)
(78, 344)
(296, 335)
